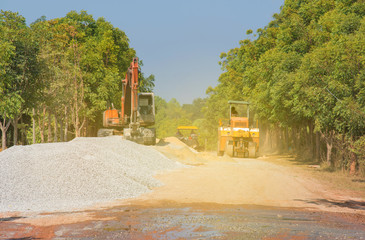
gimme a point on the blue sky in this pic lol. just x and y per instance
(178, 41)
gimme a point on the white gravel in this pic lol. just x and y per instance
(75, 174)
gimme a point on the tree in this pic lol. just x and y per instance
(303, 74)
(169, 115)
(62, 72)
(18, 61)
(83, 62)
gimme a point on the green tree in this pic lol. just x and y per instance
(169, 115)
(18, 76)
(83, 62)
(304, 75)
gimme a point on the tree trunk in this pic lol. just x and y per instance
(21, 131)
(303, 137)
(4, 127)
(343, 152)
(279, 140)
(49, 134)
(298, 133)
(66, 132)
(3, 139)
(308, 138)
(33, 119)
(76, 125)
(61, 129)
(286, 141)
(266, 141)
(329, 144)
(86, 127)
(271, 137)
(42, 123)
(353, 163)
(41, 129)
(15, 125)
(66, 125)
(329, 152)
(81, 127)
(76, 89)
(311, 138)
(318, 146)
(55, 129)
(295, 139)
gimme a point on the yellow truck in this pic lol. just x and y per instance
(238, 137)
(189, 136)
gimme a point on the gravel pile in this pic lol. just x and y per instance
(64, 176)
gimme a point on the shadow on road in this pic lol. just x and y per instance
(8, 219)
(359, 205)
(358, 180)
(162, 142)
(25, 238)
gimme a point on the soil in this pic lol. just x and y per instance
(213, 198)
(260, 181)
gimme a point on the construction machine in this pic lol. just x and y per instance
(137, 112)
(238, 137)
(189, 136)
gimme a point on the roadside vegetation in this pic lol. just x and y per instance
(58, 75)
(304, 74)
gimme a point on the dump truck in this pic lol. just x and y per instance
(189, 136)
(137, 113)
(238, 137)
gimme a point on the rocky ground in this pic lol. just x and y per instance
(79, 173)
(209, 197)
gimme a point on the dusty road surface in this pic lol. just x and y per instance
(212, 198)
(261, 181)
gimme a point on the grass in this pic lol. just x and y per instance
(340, 180)
(334, 179)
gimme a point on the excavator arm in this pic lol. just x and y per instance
(136, 114)
(130, 94)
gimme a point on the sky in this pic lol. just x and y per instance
(179, 41)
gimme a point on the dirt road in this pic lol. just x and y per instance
(243, 181)
(261, 181)
(212, 198)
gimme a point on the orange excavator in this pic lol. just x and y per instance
(137, 112)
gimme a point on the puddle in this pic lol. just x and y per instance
(192, 222)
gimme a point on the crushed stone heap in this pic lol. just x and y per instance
(75, 174)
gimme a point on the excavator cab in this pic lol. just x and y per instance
(238, 138)
(146, 109)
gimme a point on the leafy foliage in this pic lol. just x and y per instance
(305, 70)
(169, 115)
(68, 69)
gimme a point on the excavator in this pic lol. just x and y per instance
(137, 113)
